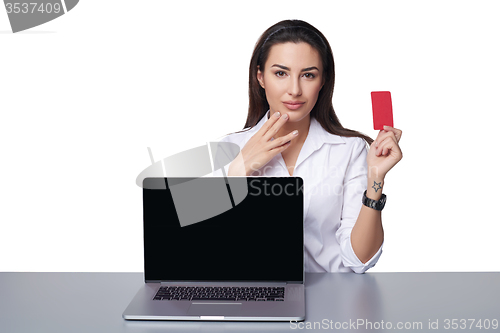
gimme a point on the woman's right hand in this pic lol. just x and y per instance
(260, 149)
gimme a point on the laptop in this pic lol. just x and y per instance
(226, 249)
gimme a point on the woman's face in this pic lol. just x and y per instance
(292, 78)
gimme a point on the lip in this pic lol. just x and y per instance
(293, 105)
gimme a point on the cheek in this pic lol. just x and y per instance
(274, 91)
(313, 92)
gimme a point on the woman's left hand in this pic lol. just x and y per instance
(384, 152)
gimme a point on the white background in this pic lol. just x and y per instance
(82, 97)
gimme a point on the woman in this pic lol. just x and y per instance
(292, 129)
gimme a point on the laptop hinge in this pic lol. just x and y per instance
(221, 283)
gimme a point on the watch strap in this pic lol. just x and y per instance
(374, 204)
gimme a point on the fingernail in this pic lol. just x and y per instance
(285, 116)
(277, 114)
(295, 132)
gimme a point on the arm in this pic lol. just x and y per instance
(367, 234)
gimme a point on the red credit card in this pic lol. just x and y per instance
(382, 109)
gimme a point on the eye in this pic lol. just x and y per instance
(309, 75)
(280, 74)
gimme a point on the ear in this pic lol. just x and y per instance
(260, 77)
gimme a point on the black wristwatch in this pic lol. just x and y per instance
(377, 205)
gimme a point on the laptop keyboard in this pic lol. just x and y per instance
(258, 294)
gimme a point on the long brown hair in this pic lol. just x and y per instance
(296, 31)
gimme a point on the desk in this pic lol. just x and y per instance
(94, 302)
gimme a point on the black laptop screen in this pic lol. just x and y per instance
(204, 229)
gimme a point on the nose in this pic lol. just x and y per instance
(294, 88)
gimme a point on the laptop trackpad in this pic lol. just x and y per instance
(207, 309)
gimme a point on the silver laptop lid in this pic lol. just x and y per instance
(223, 229)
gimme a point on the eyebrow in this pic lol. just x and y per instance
(303, 70)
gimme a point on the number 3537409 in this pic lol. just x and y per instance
(465, 324)
(32, 7)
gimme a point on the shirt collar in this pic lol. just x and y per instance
(320, 135)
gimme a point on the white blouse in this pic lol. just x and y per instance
(334, 172)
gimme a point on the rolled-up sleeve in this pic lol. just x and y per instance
(355, 181)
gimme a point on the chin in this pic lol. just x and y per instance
(296, 116)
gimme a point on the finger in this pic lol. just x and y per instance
(388, 141)
(388, 147)
(271, 132)
(383, 150)
(282, 140)
(397, 132)
(383, 143)
(383, 136)
(376, 142)
(269, 123)
(392, 149)
(279, 149)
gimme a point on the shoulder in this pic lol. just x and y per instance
(356, 147)
(356, 151)
(242, 137)
(239, 138)
(355, 143)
